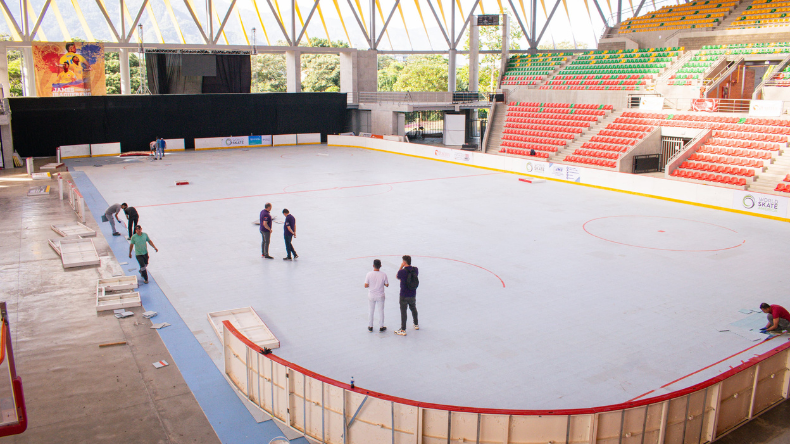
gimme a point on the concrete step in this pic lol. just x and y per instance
(733, 16)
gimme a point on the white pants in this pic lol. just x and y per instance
(376, 305)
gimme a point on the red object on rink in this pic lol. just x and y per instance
(522, 179)
(182, 183)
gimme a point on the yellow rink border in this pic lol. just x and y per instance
(600, 187)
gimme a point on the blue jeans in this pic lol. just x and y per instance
(160, 152)
(289, 249)
(265, 239)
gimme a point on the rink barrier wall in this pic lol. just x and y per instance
(720, 198)
(74, 151)
(333, 412)
(105, 149)
(174, 145)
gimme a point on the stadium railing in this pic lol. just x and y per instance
(330, 411)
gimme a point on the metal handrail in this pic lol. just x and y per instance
(677, 65)
(422, 97)
(768, 81)
(710, 84)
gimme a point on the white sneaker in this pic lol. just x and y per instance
(416, 327)
(400, 332)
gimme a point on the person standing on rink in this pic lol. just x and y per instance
(289, 231)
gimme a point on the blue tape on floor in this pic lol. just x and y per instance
(224, 410)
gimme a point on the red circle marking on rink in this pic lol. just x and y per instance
(435, 257)
(584, 227)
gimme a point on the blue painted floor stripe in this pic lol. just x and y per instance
(225, 412)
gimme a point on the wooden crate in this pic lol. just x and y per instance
(75, 229)
(78, 253)
(115, 300)
(248, 323)
(119, 283)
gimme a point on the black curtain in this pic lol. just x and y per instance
(165, 75)
(41, 124)
(234, 75)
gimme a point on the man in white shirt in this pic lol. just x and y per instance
(375, 281)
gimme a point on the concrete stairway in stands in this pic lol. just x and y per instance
(495, 129)
(773, 175)
(585, 137)
(724, 24)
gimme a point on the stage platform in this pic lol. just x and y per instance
(532, 296)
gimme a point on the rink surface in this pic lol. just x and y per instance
(531, 296)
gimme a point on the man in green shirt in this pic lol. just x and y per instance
(138, 242)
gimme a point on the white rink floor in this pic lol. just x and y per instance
(532, 296)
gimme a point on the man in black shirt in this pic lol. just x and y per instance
(131, 216)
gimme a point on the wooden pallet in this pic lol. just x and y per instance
(78, 253)
(114, 300)
(75, 229)
(248, 323)
(119, 283)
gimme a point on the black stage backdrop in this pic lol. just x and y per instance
(39, 125)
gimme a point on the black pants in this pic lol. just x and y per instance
(412, 304)
(289, 248)
(142, 259)
(132, 223)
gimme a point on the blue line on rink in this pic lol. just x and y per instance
(223, 408)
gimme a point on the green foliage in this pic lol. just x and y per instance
(423, 73)
(15, 73)
(268, 73)
(321, 72)
(112, 72)
(389, 69)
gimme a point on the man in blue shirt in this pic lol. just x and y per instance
(160, 148)
(266, 230)
(407, 275)
(289, 231)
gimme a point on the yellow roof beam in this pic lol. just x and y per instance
(84, 23)
(151, 15)
(260, 20)
(173, 19)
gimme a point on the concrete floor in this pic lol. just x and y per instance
(77, 392)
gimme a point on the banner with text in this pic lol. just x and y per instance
(69, 69)
(760, 203)
(765, 108)
(452, 155)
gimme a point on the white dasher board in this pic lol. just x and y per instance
(248, 323)
(114, 301)
(118, 283)
(75, 229)
(78, 253)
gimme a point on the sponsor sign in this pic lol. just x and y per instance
(452, 155)
(557, 171)
(234, 141)
(254, 140)
(765, 108)
(573, 173)
(651, 103)
(537, 168)
(760, 203)
(266, 140)
(705, 105)
(69, 69)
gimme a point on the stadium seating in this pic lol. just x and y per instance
(737, 150)
(763, 13)
(546, 127)
(531, 69)
(781, 78)
(697, 14)
(694, 70)
(629, 70)
(609, 144)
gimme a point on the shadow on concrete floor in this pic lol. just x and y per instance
(772, 427)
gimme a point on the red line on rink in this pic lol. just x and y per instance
(312, 191)
(434, 257)
(705, 368)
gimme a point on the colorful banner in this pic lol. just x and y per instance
(705, 105)
(69, 69)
